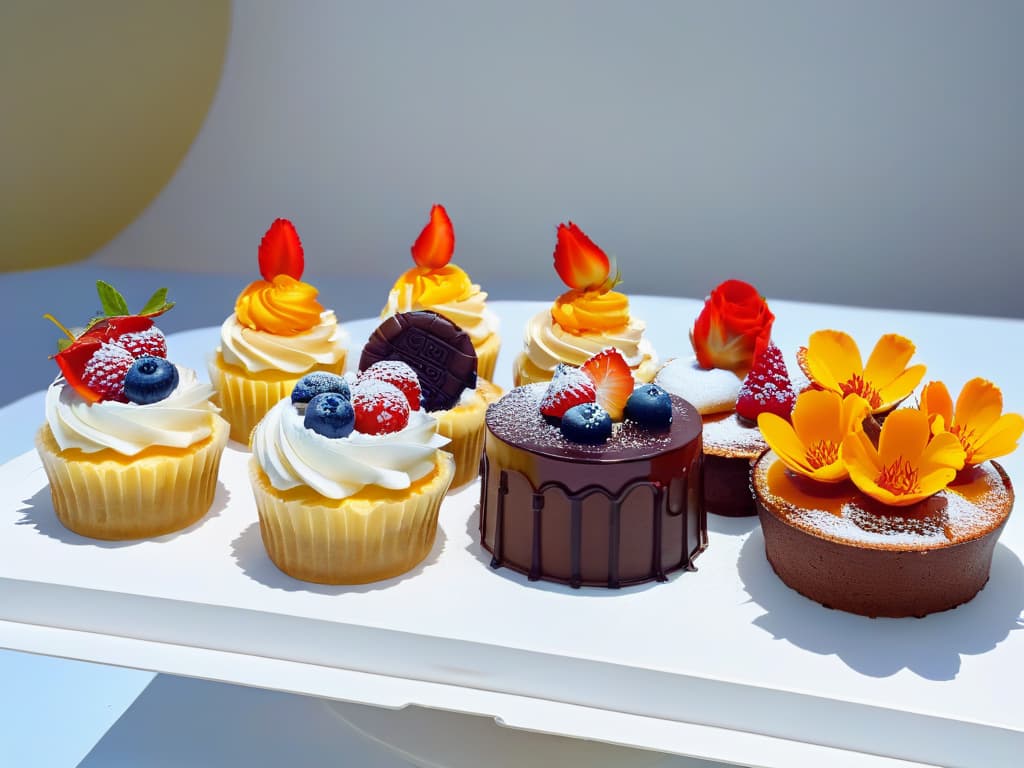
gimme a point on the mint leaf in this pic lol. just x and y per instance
(113, 302)
(155, 303)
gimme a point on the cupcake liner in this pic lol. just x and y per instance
(108, 496)
(245, 398)
(487, 356)
(350, 541)
(464, 426)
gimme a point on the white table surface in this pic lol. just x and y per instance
(933, 661)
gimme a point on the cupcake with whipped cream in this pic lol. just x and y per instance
(437, 285)
(589, 317)
(132, 443)
(348, 480)
(278, 333)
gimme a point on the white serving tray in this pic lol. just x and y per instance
(725, 663)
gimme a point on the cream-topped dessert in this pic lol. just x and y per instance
(591, 316)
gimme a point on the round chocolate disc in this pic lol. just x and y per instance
(438, 350)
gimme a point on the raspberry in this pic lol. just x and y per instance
(767, 388)
(398, 373)
(613, 380)
(569, 387)
(105, 371)
(150, 342)
(380, 407)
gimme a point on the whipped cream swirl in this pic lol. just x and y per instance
(547, 344)
(292, 455)
(253, 350)
(470, 314)
(183, 418)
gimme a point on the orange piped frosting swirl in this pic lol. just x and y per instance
(429, 287)
(591, 311)
(283, 306)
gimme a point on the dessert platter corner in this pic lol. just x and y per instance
(707, 654)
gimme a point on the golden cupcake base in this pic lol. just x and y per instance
(105, 495)
(464, 426)
(376, 534)
(487, 356)
(245, 397)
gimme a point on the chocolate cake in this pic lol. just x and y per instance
(839, 547)
(621, 512)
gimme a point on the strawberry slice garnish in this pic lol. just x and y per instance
(380, 407)
(281, 252)
(569, 387)
(580, 263)
(398, 373)
(434, 247)
(613, 380)
(767, 388)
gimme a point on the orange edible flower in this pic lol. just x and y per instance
(810, 445)
(580, 263)
(832, 361)
(978, 421)
(434, 247)
(910, 464)
(733, 328)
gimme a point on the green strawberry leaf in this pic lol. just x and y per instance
(155, 302)
(113, 302)
(64, 343)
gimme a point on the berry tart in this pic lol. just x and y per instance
(435, 284)
(425, 349)
(132, 443)
(587, 318)
(897, 521)
(591, 480)
(348, 479)
(277, 333)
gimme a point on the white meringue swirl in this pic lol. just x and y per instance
(292, 455)
(253, 350)
(547, 344)
(183, 418)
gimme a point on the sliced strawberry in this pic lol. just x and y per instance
(767, 388)
(281, 251)
(380, 407)
(398, 373)
(569, 387)
(613, 380)
(105, 370)
(434, 247)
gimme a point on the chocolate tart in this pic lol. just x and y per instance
(623, 512)
(841, 548)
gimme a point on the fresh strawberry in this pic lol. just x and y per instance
(105, 371)
(580, 263)
(380, 407)
(280, 252)
(767, 388)
(141, 343)
(434, 247)
(398, 373)
(569, 386)
(613, 380)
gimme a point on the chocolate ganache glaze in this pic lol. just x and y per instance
(622, 512)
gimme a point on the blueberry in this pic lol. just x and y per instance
(650, 406)
(587, 423)
(330, 414)
(317, 383)
(150, 380)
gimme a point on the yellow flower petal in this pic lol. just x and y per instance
(855, 410)
(781, 438)
(831, 473)
(893, 393)
(978, 406)
(904, 436)
(1000, 439)
(832, 358)
(942, 452)
(859, 454)
(816, 416)
(890, 356)
(929, 485)
(935, 401)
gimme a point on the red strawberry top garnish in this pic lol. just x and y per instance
(281, 252)
(380, 407)
(569, 387)
(767, 388)
(580, 263)
(398, 373)
(613, 380)
(434, 247)
(105, 371)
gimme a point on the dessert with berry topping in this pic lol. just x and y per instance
(591, 479)
(736, 374)
(433, 362)
(278, 333)
(897, 521)
(437, 285)
(584, 320)
(348, 478)
(131, 443)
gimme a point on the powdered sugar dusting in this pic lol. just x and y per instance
(731, 437)
(710, 391)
